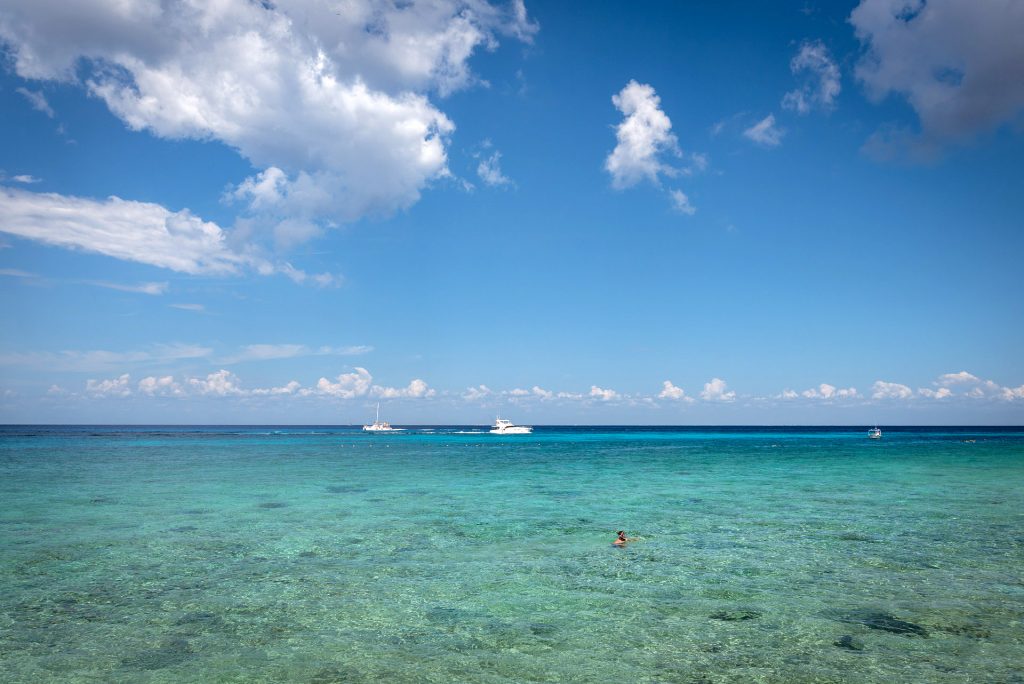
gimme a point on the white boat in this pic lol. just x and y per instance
(381, 425)
(505, 427)
(874, 433)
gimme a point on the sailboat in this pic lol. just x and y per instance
(380, 425)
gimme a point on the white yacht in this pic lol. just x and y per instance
(874, 433)
(505, 427)
(381, 425)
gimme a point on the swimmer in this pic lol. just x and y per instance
(622, 539)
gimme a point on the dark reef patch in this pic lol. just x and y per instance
(884, 622)
(735, 615)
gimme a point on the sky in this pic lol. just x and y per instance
(287, 211)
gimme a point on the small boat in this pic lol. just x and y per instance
(505, 427)
(874, 433)
(380, 425)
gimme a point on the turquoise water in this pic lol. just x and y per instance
(326, 555)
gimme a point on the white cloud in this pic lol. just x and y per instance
(115, 387)
(541, 393)
(941, 393)
(489, 170)
(670, 391)
(643, 136)
(188, 307)
(681, 203)
(417, 389)
(829, 392)
(348, 385)
(268, 352)
(788, 395)
(961, 378)
(25, 178)
(765, 132)
(890, 390)
(288, 389)
(822, 85)
(603, 394)
(141, 288)
(328, 98)
(716, 389)
(223, 383)
(477, 393)
(37, 100)
(143, 232)
(164, 387)
(960, 65)
(135, 231)
(1012, 393)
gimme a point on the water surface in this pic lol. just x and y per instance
(326, 555)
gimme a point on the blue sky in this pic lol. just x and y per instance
(660, 213)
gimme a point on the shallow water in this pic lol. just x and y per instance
(326, 555)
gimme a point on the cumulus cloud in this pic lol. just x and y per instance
(960, 65)
(821, 85)
(416, 389)
(603, 394)
(670, 391)
(477, 393)
(290, 388)
(765, 132)
(890, 390)
(26, 178)
(829, 392)
(114, 387)
(716, 389)
(222, 383)
(643, 139)
(163, 387)
(347, 385)
(489, 170)
(37, 100)
(328, 100)
(541, 393)
(644, 135)
(961, 378)
(971, 386)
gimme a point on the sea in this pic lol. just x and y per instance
(323, 554)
